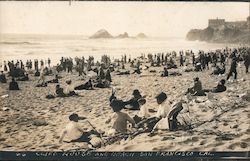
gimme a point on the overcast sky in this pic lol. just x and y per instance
(165, 19)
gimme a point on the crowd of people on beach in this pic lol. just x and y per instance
(219, 60)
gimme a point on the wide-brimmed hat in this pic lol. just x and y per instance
(223, 81)
(117, 105)
(73, 117)
(136, 92)
(196, 78)
(68, 81)
(161, 97)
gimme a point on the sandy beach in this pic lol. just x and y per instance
(30, 122)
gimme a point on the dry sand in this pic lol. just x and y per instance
(226, 115)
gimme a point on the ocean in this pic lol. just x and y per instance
(26, 47)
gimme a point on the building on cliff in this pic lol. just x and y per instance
(217, 23)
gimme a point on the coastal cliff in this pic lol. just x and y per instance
(231, 32)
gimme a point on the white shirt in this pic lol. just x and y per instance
(69, 88)
(143, 111)
(73, 131)
(163, 110)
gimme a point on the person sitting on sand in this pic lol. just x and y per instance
(70, 89)
(2, 78)
(25, 78)
(143, 113)
(101, 74)
(88, 86)
(196, 90)
(13, 85)
(133, 102)
(42, 77)
(55, 80)
(108, 76)
(198, 67)
(162, 111)
(59, 91)
(219, 70)
(220, 87)
(170, 121)
(37, 73)
(165, 72)
(119, 119)
(74, 133)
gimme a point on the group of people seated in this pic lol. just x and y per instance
(119, 119)
(197, 89)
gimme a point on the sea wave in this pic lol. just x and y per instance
(18, 43)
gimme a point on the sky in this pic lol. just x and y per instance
(156, 19)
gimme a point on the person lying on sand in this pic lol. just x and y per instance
(2, 78)
(13, 85)
(119, 120)
(102, 83)
(55, 80)
(133, 102)
(73, 132)
(24, 78)
(196, 90)
(88, 86)
(219, 88)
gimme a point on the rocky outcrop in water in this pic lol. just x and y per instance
(101, 34)
(141, 35)
(105, 34)
(124, 35)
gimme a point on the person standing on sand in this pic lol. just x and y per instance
(247, 60)
(233, 69)
(181, 60)
(2, 78)
(42, 76)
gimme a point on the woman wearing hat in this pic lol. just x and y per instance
(161, 113)
(133, 102)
